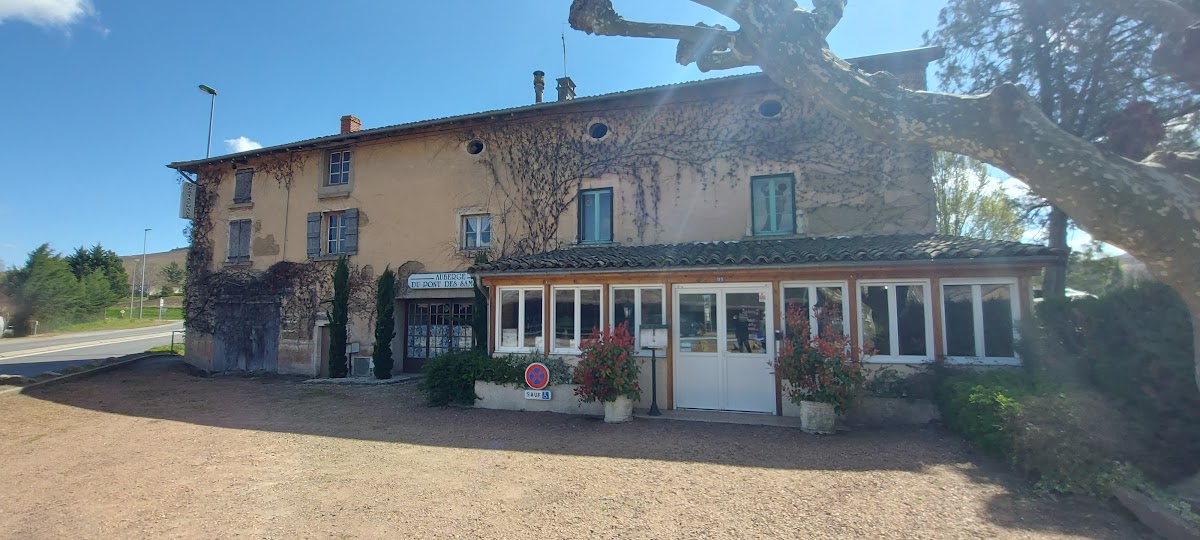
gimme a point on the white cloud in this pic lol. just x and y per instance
(54, 13)
(240, 144)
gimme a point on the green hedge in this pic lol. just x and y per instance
(1106, 394)
(450, 378)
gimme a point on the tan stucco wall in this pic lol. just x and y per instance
(412, 190)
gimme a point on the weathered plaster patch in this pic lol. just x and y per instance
(262, 246)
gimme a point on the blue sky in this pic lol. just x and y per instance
(99, 95)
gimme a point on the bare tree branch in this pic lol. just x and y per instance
(1178, 55)
(1168, 15)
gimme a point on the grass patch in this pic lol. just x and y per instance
(179, 348)
(149, 312)
(108, 324)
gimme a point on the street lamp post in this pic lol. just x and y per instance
(142, 296)
(211, 110)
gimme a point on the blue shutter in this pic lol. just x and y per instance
(314, 235)
(242, 184)
(351, 224)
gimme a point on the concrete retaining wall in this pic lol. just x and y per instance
(877, 411)
(512, 398)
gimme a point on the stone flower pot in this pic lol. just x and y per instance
(817, 417)
(619, 411)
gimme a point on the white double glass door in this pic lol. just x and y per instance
(724, 345)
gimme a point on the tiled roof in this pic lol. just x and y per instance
(826, 251)
(921, 56)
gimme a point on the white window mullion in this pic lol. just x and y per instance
(977, 315)
(520, 318)
(893, 322)
(578, 314)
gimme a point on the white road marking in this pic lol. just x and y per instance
(84, 345)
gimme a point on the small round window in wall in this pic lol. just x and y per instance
(598, 130)
(770, 108)
(474, 146)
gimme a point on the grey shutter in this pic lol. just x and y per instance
(244, 246)
(241, 188)
(235, 239)
(314, 235)
(351, 231)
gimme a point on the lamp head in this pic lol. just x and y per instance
(207, 89)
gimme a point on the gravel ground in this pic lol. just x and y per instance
(153, 452)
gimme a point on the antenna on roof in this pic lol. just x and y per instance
(564, 41)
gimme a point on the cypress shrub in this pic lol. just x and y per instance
(338, 319)
(385, 324)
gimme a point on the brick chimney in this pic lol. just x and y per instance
(566, 89)
(539, 84)
(351, 123)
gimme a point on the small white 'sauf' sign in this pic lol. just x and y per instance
(543, 395)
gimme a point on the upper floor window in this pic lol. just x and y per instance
(239, 241)
(595, 215)
(773, 204)
(477, 231)
(333, 233)
(335, 229)
(242, 183)
(339, 168)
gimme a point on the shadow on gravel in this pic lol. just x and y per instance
(165, 388)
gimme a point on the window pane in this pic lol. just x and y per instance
(589, 312)
(345, 162)
(604, 207)
(959, 313)
(910, 319)
(698, 323)
(623, 309)
(469, 232)
(533, 318)
(652, 306)
(997, 321)
(782, 205)
(509, 301)
(873, 300)
(744, 325)
(587, 217)
(829, 309)
(794, 299)
(485, 231)
(564, 319)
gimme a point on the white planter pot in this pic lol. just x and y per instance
(817, 417)
(619, 411)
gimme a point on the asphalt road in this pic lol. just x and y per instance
(36, 355)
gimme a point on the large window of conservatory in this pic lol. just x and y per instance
(576, 313)
(819, 300)
(635, 305)
(896, 320)
(519, 319)
(980, 320)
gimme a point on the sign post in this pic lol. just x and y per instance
(653, 337)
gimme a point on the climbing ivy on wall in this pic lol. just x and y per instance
(537, 166)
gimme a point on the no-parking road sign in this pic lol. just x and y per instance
(537, 375)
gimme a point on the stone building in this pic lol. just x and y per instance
(708, 206)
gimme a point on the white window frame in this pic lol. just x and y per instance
(554, 349)
(976, 284)
(812, 287)
(478, 234)
(637, 310)
(520, 320)
(341, 240)
(893, 322)
(344, 155)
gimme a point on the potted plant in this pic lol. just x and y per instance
(822, 371)
(608, 372)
